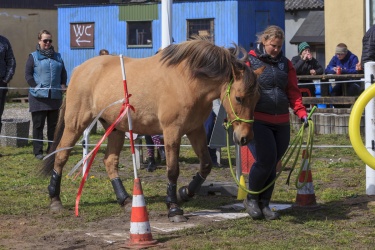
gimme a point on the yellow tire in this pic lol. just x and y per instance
(354, 126)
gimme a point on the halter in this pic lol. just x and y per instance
(237, 118)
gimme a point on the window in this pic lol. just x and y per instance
(201, 27)
(139, 34)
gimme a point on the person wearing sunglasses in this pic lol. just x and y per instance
(46, 75)
(343, 62)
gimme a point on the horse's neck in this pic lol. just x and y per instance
(214, 91)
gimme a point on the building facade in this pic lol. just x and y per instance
(134, 29)
(20, 22)
(345, 22)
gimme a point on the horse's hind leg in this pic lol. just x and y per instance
(111, 161)
(197, 139)
(68, 140)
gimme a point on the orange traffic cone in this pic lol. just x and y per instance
(305, 194)
(140, 230)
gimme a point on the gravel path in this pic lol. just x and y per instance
(16, 110)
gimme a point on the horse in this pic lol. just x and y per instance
(171, 93)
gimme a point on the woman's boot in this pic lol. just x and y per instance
(151, 167)
(251, 204)
(266, 210)
(162, 154)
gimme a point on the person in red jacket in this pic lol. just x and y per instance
(278, 92)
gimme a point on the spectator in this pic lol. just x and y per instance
(7, 69)
(306, 64)
(46, 75)
(343, 62)
(368, 48)
(278, 92)
(103, 52)
(209, 125)
(152, 141)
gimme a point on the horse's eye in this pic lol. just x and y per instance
(239, 100)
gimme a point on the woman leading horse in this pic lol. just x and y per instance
(187, 77)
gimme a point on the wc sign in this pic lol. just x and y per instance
(82, 35)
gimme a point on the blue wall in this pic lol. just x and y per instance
(224, 14)
(235, 21)
(254, 16)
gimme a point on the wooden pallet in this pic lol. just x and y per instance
(329, 100)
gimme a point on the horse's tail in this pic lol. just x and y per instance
(49, 163)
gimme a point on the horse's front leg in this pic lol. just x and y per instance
(111, 161)
(172, 142)
(198, 141)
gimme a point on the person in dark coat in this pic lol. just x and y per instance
(306, 64)
(46, 75)
(368, 48)
(7, 69)
(278, 92)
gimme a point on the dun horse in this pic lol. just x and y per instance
(172, 93)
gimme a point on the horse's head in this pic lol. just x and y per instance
(210, 63)
(239, 97)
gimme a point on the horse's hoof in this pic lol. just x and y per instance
(127, 206)
(182, 194)
(56, 206)
(176, 214)
(177, 218)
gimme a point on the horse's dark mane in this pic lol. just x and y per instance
(205, 59)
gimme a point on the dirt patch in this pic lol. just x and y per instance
(351, 210)
(47, 231)
(65, 231)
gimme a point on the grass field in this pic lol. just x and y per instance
(345, 220)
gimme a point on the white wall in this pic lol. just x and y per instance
(292, 24)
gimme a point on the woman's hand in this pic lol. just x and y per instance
(63, 88)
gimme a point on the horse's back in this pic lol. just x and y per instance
(161, 94)
(98, 83)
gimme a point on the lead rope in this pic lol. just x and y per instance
(295, 145)
(124, 109)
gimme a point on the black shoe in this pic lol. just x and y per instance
(39, 157)
(252, 208)
(217, 165)
(162, 154)
(151, 167)
(267, 212)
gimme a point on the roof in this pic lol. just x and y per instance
(311, 30)
(293, 5)
(45, 4)
(290, 5)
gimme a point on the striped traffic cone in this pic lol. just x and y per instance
(140, 230)
(305, 194)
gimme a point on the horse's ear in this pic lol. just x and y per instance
(259, 70)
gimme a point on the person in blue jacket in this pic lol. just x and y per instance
(347, 61)
(46, 75)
